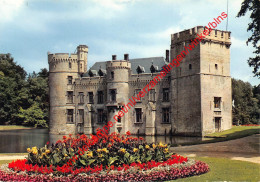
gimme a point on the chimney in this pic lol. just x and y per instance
(126, 57)
(113, 57)
(167, 56)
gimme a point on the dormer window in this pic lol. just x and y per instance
(90, 73)
(140, 69)
(101, 72)
(153, 68)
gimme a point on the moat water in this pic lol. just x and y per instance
(17, 141)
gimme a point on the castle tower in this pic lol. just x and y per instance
(82, 51)
(64, 68)
(118, 72)
(201, 85)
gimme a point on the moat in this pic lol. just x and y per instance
(17, 141)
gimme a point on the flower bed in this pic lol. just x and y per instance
(160, 173)
(112, 158)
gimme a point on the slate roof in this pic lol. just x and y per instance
(143, 62)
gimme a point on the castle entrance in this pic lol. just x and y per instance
(217, 124)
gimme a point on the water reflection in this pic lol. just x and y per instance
(16, 141)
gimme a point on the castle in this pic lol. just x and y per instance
(192, 100)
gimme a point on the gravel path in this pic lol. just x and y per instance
(12, 157)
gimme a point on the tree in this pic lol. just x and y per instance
(33, 116)
(254, 26)
(23, 101)
(245, 108)
(12, 81)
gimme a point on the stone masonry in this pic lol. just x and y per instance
(193, 100)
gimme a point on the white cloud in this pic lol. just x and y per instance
(237, 43)
(164, 34)
(114, 4)
(9, 9)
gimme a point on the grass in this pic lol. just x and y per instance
(5, 161)
(234, 133)
(223, 169)
(13, 127)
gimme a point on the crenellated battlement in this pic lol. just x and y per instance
(119, 64)
(187, 35)
(62, 57)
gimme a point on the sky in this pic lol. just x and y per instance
(142, 28)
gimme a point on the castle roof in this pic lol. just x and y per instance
(145, 63)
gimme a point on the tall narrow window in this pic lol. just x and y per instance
(100, 115)
(90, 97)
(81, 115)
(70, 115)
(190, 66)
(119, 119)
(70, 97)
(136, 95)
(217, 101)
(69, 79)
(70, 65)
(81, 97)
(100, 97)
(112, 75)
(138, 112)
(216, 66)
(113, 95)
(166, 115)
(166, 94)
(152, 95)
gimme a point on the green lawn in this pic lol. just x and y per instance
(234, 133)
(237, 131)
(5, 161)
(222, 169)
(13, 127)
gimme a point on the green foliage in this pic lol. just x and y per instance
(124, 151)
(246, 108)
(20, 95)
(32, 116)
(253, 6)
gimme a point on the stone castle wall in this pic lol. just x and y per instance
(193, 86)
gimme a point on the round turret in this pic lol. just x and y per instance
(118, 72)
(64, 69)
(82, 51)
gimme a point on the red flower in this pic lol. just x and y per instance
(128, 133)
